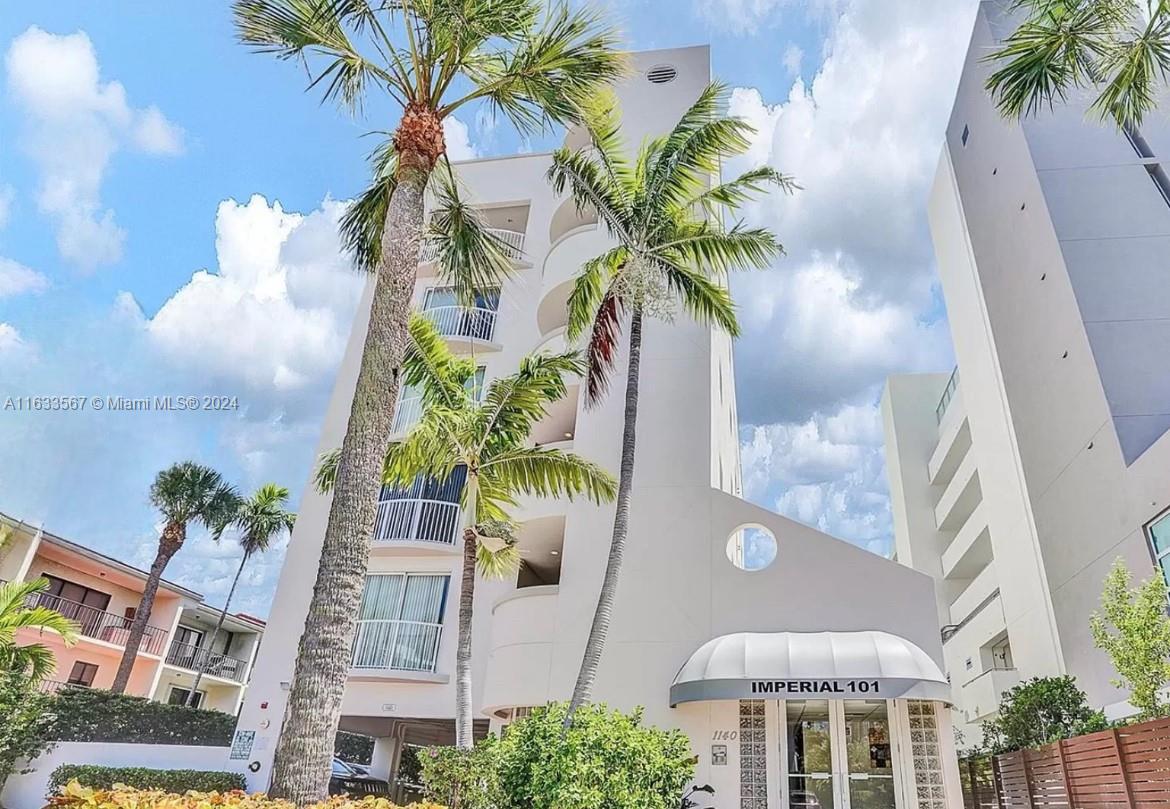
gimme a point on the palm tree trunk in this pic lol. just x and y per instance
(169, 544)
(464, 723)
(206, 656)
(305, 753)
(591, 660)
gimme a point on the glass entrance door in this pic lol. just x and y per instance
(838, 755)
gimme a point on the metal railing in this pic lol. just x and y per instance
(512, 245)
(948, 395)
(57, 686)
(415, 520)
(473, 323)
(407, 414)
(396, 645)
(190, 656)
(99, 624)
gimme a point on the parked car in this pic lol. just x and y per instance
(804, 799)
(347, 778)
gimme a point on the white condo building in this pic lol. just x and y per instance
(817, 676)
(1018, 480)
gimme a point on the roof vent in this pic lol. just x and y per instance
(661, 74)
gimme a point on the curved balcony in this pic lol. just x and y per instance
(567, 218)
(523, 626)
(416, 523)
(564, 260)
(464, 327)
(511, 241)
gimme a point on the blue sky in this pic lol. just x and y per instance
(140, 148)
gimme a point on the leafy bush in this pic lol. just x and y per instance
(1133, 629)
(75, 796)
(90, 715)
(606, 760)
(180, 781)
(353, 747)
(26, 728)
(462, 779)
(1040, 711)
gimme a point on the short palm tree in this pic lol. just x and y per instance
(490, 439)
(531, 63)
(184, 493)
(261, 518)
(1118, 49)
(672, 248)
(19, 611)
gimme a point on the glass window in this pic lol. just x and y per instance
(399, 621)
(810, 754)
(82, 673)
(178, 696)
(868, 754)
(445, 296)
(1159, 534)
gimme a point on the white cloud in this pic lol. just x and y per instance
(855, 299)
(738, 16)
(14, 348)
(74, 124)
(793, 56)
(275, 316)
(17, 279)
(458, 139)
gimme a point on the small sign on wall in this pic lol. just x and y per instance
(242, 745)
(719, 754)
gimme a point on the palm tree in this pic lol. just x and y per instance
(1118, 49)
(530, 63)
(490, 440)
(261, 517)
(184, 493)
(34, 659)
(672, 248)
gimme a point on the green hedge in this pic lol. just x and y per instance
(90, 715)
(177, 781)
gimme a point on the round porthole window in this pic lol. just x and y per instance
(661, 74)
(751, 547)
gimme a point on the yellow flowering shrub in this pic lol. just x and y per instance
(74, 796)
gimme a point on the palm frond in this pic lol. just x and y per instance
(471, 257)
(514, 403)
(262, 517)
(734, 193)
(1136, 71)
(705, 301)
(602, 348)
(707, 245)
(433, 368)
(550, 473)
(325, 472)
(364, 221)
(589, 289)
(591, 184)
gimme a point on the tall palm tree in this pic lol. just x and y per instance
(490, 439)
(261, 517)
(184, 493)
(672, 248)
(1118, 49)
(33, 659)
(529, 62)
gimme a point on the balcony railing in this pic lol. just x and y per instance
(396, 645)
(948, 395)
(407, 414)
(416, 520)
(512, 245)
(472, 323)
(99, 624)
(190, 656)
(57, 686)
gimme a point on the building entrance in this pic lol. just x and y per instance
(837, 754)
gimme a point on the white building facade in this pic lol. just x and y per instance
(1019, 479)
(815, 680)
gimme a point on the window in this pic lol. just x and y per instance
(399, 621)
(178, 696)
(439, 297)
(966, 134)
(477, 322)
(188, 636)
(76, 593)
(82, 673)
(1159, 534)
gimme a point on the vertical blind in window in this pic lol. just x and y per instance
(400, 621)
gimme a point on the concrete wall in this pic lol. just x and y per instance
(29, 790)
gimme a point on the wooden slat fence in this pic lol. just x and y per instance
(1124, 768)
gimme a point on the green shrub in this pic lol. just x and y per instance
(606, 760)
(26, 721)
(1040, 711)
(176, 781)
(90, 715)
(353, 747)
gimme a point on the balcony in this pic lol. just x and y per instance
(396, 645)
(472, 325)
(561, 265)
(407, 414)
(189, 656)
(101, 625)
(523, 627)
(511, 242)
(435, 522)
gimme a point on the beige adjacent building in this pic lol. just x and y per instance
(805, 670)
(101, 594)
(1018, 479)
